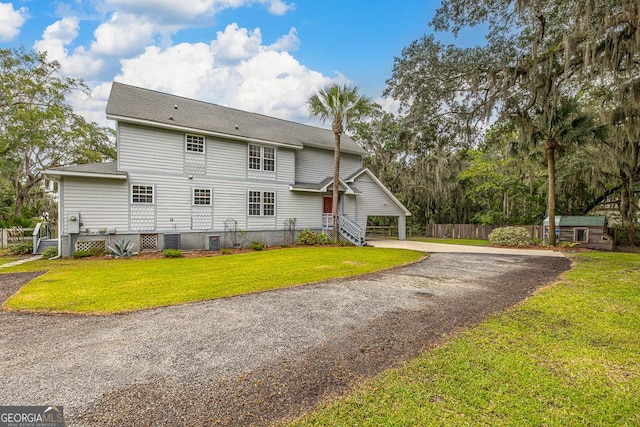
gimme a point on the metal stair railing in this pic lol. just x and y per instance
(40, 232)
(350, 230)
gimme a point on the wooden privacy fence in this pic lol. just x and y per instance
(449, 231)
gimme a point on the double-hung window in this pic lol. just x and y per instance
(202, 197)
(142, 194)
(262, 203)
(262, 158)
(194, 143)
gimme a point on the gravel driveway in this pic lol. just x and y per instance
(255, 359)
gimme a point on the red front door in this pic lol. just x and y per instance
(327, 204)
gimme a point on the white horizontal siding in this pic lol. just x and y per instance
(144, 148)
(373, 201)
(314, 165)
(286, 165)
(306, 208)
(226, 159)
(230, 202)
(102, 203)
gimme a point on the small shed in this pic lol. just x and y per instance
(589, 231)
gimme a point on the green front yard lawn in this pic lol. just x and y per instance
(569, 356)
(113, 286)
(6, 259)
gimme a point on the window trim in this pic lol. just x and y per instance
(261, 158)
(265, 204)
(209, 196)
(576, 230)
(133, 194)
(261, 204)
(193, 135)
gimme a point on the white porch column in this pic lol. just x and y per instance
(402, 227)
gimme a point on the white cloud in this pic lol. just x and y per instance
(122, 35)
(54, 40)
(182, 12)
(173, 11)
(288, 43)
(389, 104)
(56, 36)
(260, 79)
(235, 44)
(92, 106)
(178, 69)
(278, 7)
(11, 21)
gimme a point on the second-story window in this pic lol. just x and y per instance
(262, 158)
(194, 143)
(255, 157)
(202, 197)
(142, 194)
(269, 159)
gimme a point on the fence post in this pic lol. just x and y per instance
(5, 238)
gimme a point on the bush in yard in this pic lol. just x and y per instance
(311, 238)
(510, 236)
(22, 248)
(257, 246)
(50, 252)
(172, 253)
(82, 254)
(122, 249)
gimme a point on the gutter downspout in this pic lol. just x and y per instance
(59, 219)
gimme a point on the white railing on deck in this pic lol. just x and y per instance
(40, 232)
(351, 230)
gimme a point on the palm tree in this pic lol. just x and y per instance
(558, 129)
(341, 105)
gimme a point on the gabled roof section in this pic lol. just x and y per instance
(365, 171)
(321, 187)
(579, 221)
(137, 105)
(107, 170)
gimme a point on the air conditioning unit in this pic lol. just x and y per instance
(212, 242)
(172, 241)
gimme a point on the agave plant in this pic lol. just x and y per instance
(122, 249)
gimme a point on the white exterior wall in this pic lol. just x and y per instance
(306, 208)
(314, 165)
(102, 203)
(373, 201)
(348, 207)
(143, 148)
(157, 157)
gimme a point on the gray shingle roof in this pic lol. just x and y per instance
(138, 104)
(579, 221)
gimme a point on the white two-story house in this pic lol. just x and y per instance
(195, 175)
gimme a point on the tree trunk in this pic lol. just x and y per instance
(550, 148)
(336, 185)
(626, 212)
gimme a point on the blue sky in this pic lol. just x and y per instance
(265, 56)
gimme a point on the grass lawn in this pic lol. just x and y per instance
(569, 356)
(466, 242)
(111, 286)
(6, 259)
